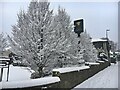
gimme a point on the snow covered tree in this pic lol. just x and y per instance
(66, 40)
(81, 51)
(44, 41)
(90, 53)
(62, 34)
(95, 53)
(3, 42)
(32, 35)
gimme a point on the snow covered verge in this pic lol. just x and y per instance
(92, 63)
(101, 61)
(29, 83)
(70, 69)
(17, 73)
(19, 77)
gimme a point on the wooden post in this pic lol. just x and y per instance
(1, 74)
(8, 72)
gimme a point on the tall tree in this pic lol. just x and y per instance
(44, 40)
(66, 39)
(31, 35)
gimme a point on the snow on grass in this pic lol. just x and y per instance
(100, 61)
(92, 63)
(105, 59)
(4, 59)
(108, 78)
(70, 69)
(98, 40)
(30, 83)
(16, 73)
(20, 77)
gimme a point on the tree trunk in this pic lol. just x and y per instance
(40, 70)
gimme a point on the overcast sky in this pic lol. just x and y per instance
(98, 16)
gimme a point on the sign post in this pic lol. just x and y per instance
(78, 26)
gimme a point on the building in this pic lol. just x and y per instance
(102, 45)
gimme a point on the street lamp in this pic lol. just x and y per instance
(108, 47)
(107, 33)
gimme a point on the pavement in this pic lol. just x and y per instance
(107, 78)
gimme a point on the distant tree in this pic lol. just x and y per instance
(90, 52)
(113, 46)
(3, 42)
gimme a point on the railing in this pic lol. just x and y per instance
(4, 63)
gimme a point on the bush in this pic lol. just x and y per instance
(19, 64)
(35, 75)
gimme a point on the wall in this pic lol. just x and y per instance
(70, 79)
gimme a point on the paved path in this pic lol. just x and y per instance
(107, 78)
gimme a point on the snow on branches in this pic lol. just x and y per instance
(44, 40)
(30, 35)
(90, 52)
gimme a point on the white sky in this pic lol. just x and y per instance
(98, 16)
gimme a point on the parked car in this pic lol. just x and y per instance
(113, 58)
(118, 57)
(102, 56)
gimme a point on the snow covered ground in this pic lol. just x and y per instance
(108, 78)
(30, 83)
(20, 77)
(16, 73)
(70, 69)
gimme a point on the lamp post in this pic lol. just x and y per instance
(108, 47)
(107, 33)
